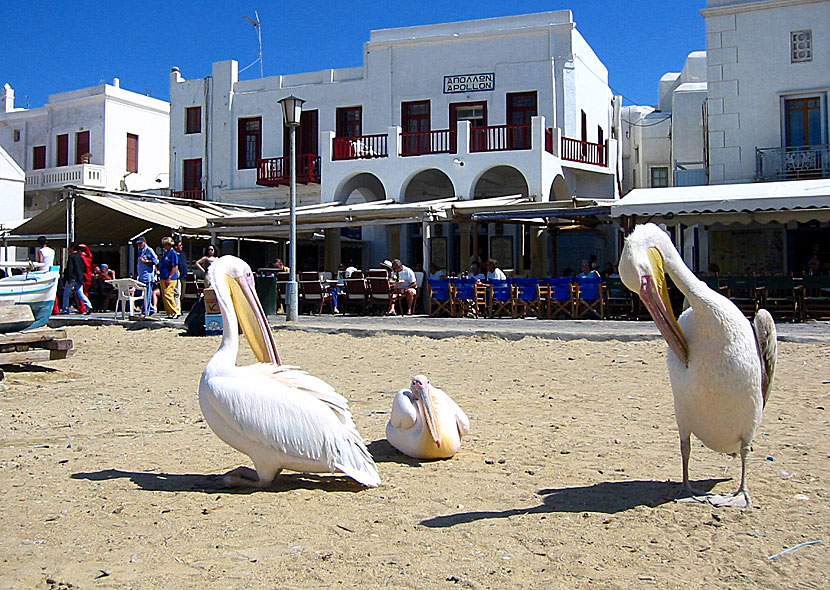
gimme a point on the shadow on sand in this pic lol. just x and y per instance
(211, 484)
(383, 452)
(606, 497)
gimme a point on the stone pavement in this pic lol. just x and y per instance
(421, 325)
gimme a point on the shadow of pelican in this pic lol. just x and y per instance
(609, 497)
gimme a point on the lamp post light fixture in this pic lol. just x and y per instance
(292, 109)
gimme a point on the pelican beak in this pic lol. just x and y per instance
(654, 293)
(252, 319)
(429, 415)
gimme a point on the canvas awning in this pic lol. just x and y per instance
(102, 217)
(763, 202)
(332, 215)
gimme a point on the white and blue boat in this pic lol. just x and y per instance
(35, 288)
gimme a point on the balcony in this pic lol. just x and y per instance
(586, 152)
(419, 143)
(195, 194)
(360, 147)
(91, 175)
(803, 162)
(276, 171)
(500, 138)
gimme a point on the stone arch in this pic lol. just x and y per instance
(427, 185)
(360, 188)
(559, 190)
(500, 181)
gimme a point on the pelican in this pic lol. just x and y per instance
(425, 422)
(279, 416)
(721, 365)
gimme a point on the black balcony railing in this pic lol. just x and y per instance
(792, 162)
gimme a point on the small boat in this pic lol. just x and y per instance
(35, 288)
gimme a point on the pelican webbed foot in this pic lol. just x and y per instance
(688, 494)
(739, 499)
(244, 477)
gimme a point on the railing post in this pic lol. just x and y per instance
(326, 147)
(394, 141)
(537, 133)
(462, 138)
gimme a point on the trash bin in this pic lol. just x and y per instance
(266, 290)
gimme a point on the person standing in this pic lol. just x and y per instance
(203, 264)
(74, 282)
(169, 276)
(145, 267)
(45, 254)
(179, 248)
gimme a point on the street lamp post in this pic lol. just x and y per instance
(292, 108)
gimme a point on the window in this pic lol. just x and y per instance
(801, 43)
(521, 108)
(39, 157)
(132, 152)
(349, 121)
(802, 120)
(659, 176)
(17, 135)
(250, 142)
(81, 146)
(62, 150)
(193, 120)
(415, 118)
(192, 174)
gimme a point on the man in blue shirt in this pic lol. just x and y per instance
(144, 269)
(179, 248)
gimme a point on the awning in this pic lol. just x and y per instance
(103, 217)
(333, 215)
(763, 202)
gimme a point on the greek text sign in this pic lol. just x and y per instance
(469, 83)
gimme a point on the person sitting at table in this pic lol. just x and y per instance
(475, 272)
(493, 271)
(435, 272)
(388, 266)
(587, 271)
(406, 284)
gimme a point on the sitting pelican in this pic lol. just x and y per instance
(282, 418)
(720, 365)
(425, 422)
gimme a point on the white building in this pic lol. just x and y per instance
(99, 137)
(475, 109)
(12, 179)
(765, 122)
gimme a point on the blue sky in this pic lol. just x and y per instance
(56, 46)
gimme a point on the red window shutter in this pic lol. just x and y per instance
(193, 120)
(39, 157)
(63, 150)
(81, 145)
(132, 152)
(192, 174)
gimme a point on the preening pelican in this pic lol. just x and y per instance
(282, 418)
(720, 365)
(425, 422)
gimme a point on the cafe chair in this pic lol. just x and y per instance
(526, 298)
(561, 303)
(130, 296)
(619, 301)
(781, 296)
(381, 294)
(816, 297)
(589, 300)
(440, 302)
(502, 298)
(316, 295)
(356, 296)
(463, 295)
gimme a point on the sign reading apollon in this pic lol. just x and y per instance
(469, 83)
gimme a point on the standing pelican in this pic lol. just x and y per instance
(282, 418)
(425, 422)
(720, 365)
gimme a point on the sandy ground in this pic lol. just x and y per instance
(109, 474)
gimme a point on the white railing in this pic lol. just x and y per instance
(91, 175)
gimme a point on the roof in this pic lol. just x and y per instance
(104, 217)
(334, 214)
(763, 202)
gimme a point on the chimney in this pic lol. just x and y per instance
(116, 82)
(8, 99)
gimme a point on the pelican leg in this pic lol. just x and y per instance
(739, 499)
(245, 477)
(687, 493)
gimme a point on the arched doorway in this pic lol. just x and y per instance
(559, 190)
(360, 188)
(428, 185)
(500, 181)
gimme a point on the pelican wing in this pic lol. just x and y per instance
(403, 414)
(271, 413)
(767, 340)
(461, 419)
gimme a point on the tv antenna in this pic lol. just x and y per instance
(258, 26)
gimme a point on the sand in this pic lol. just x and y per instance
(110, 474)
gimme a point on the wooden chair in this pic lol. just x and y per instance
(356, 296)
(744, 292)
(440, 300)
(589, 299)
(192, 290)
(561, 303)
(463, 298)
(619, 301)
(781, 296)
(502, 298)
(526, 298)
(316, 295)
(381, 294)
(816, 297)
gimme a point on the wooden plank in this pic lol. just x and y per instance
(36, 335)
(29, 356)
(57, 344)
(15, 317)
